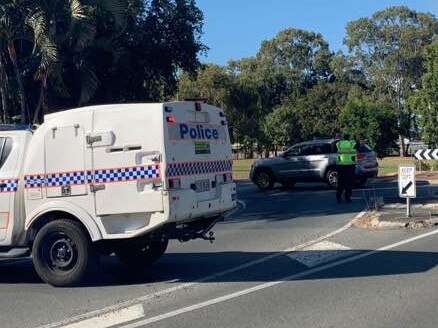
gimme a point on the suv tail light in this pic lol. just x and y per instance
(360, 156)
(174, 183)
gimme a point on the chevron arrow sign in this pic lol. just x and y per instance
(426, 154)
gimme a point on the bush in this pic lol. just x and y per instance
(426, 165)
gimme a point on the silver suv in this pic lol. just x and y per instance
(310, 161)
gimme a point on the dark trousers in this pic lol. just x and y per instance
(345, 182)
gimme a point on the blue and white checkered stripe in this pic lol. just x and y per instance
(127, 174)
(195, 168)
(34, 181)
(95, 176)
(11, 185)
(65, 179)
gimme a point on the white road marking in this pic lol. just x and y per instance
(111, 319)
(321, 252)
(141, 299)
(274, 283)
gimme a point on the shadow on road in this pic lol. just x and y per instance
(191, 267)
(304, 200)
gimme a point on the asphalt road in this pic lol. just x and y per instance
(289, 258)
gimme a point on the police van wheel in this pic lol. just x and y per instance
(264, 180)
(62, 253)
(143, 254)
(332, 178)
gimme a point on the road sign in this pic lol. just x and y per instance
(426, 154)
(406, 181)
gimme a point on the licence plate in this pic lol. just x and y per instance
(202, 185)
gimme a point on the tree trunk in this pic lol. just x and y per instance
(402, 146)
(41, 98)
(13, 57)
(4, 91)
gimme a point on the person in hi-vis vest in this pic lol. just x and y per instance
(346, 167)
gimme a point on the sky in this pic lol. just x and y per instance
(234, 29)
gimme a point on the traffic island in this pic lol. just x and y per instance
(393, 216)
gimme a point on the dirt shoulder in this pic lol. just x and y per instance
(431, 176)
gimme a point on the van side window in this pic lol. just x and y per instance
(5, 149)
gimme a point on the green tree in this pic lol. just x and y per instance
(317, 111)
(57, 54)
(388, 47)
(161, 41)
(291, 62)
(211, 82)
(14, 31)
(425, 101)
(281, 128)
(375, 122)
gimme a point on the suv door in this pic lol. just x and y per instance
(317, 159)
(294, 165)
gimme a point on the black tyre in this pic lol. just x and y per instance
(288, 184)
(331, 177)
(142, 254)
(264, 180)
(62, 253)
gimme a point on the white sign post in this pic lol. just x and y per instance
(406, 184)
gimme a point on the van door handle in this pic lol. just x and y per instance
(96, 187)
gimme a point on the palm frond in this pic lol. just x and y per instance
(82, 26)
(48, 52)
(56, 80)
(89, 84)
(118, 9)
(78, 10)
(37, 22)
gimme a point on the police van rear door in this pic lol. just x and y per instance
(198, 150)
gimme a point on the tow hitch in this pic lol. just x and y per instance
(197, 229)
(210, 237)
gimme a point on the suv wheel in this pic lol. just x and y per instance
(332, 178)
(264, 180)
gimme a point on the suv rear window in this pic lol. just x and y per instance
(364, 149)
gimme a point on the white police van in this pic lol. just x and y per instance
(112, 178)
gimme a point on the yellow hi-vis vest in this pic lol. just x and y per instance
(346, 152)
